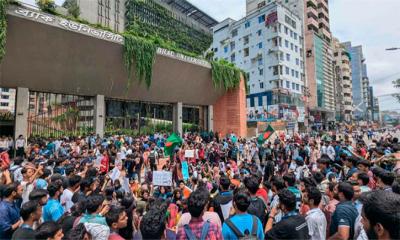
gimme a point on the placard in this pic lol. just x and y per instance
(189, 153)
(162, 178)
(185, 170)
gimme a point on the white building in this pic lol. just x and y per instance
(267, 44)
(7, 100)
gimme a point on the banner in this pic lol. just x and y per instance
(162, 178)
(185, 170)
(189, 153)
(302, 114)
(273, 111)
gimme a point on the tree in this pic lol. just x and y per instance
(396, 84)
(47, 6)
(72, 7)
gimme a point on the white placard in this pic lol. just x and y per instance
(162, 178)
(189, 153)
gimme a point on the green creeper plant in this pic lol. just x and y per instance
(225, 74)
(3, 27)
(140, 52)
(47, 6)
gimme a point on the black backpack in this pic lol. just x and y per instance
(152, 156)
(239, 234)
(257, 207)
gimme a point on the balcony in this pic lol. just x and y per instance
(326, 33)
(314, 23)
(312, 12)
(312, 3)
(323, 20)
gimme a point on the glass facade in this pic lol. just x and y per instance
(319, 70)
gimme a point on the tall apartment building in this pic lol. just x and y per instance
(343, 83)
(268, 45)
(7, 100)
(360, 82)
(111, 13)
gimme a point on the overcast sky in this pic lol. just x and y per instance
(373, 25)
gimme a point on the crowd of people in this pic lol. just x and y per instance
(331, 186)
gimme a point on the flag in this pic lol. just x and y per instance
(172, 141)
(267, 134)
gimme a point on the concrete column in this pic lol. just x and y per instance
(99, 115)
(177, 118)
(210, 118)
(21, 110)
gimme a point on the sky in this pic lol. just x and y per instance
(373, 25)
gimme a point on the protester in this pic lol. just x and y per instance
(9, 211)
(31, 212)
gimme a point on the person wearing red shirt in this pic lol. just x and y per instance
(105, 163)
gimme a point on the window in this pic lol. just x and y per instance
(260, 61)
(291, 46)
(261, 85)
(295, 36)
(293, 86)
(260, 45)
(297, 61)
(215, 49)
(259, 32)
(261, 72)
(4, 104)
(291, 33)
(286, 30)
(247, 24)
(296, 49)
(287, 84)
(100, 7)
(297, 87)
(234, 33)
(225, 49)
(246, 52)
(277, 70)
(287, 70)
(287, 57)
(260, 101)
(233, 45)
(297, 74)
(251, 102)
(292, 73)
(261, 19)
(5, 89)
(5, 97)
(281, 56)
(233, 57)
(286, 43)
(246, 40)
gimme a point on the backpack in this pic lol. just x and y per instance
(152, 156)
(239, 234)
(257, 207)
(204, 231)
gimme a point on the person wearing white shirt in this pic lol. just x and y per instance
(20, 146)
(66, 197)
(315, 218)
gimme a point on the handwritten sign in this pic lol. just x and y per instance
(162, 178)
(189, 153)
(185, 170)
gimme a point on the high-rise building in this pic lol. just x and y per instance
(268, 45)
(7, 100)
(360, 82)
(343, 85)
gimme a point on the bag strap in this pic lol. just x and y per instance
(204, 230)
(254, 229)
(235, 230)
(189, 233)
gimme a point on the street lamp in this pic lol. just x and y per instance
(392, 49)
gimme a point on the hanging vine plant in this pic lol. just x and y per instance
(140, 52)
(225, 74)
(3, 27)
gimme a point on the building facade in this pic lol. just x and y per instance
(343, 85)
(360, 82)
(111, 13)
(268, 45)
(7, 100)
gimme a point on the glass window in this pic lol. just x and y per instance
(246, 52)
(297, 87)
(293, 86)
(233, 57)
(295, 36)
(291, 33)
(233, 45)
(287, 57)
(297, 74)
(287, 70)
(261, 72)
(296, 49)
(297, 61)
(291, 46)
(247, 24)
(225, 49)
(260, 45)
(234, 33)
(286, 30)
(261, 85)
(287, 84)
(281, 56)
(286, 43)
(260, 61)
(259, 32)
(252, 102)
(292, 73)
(261, 19)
